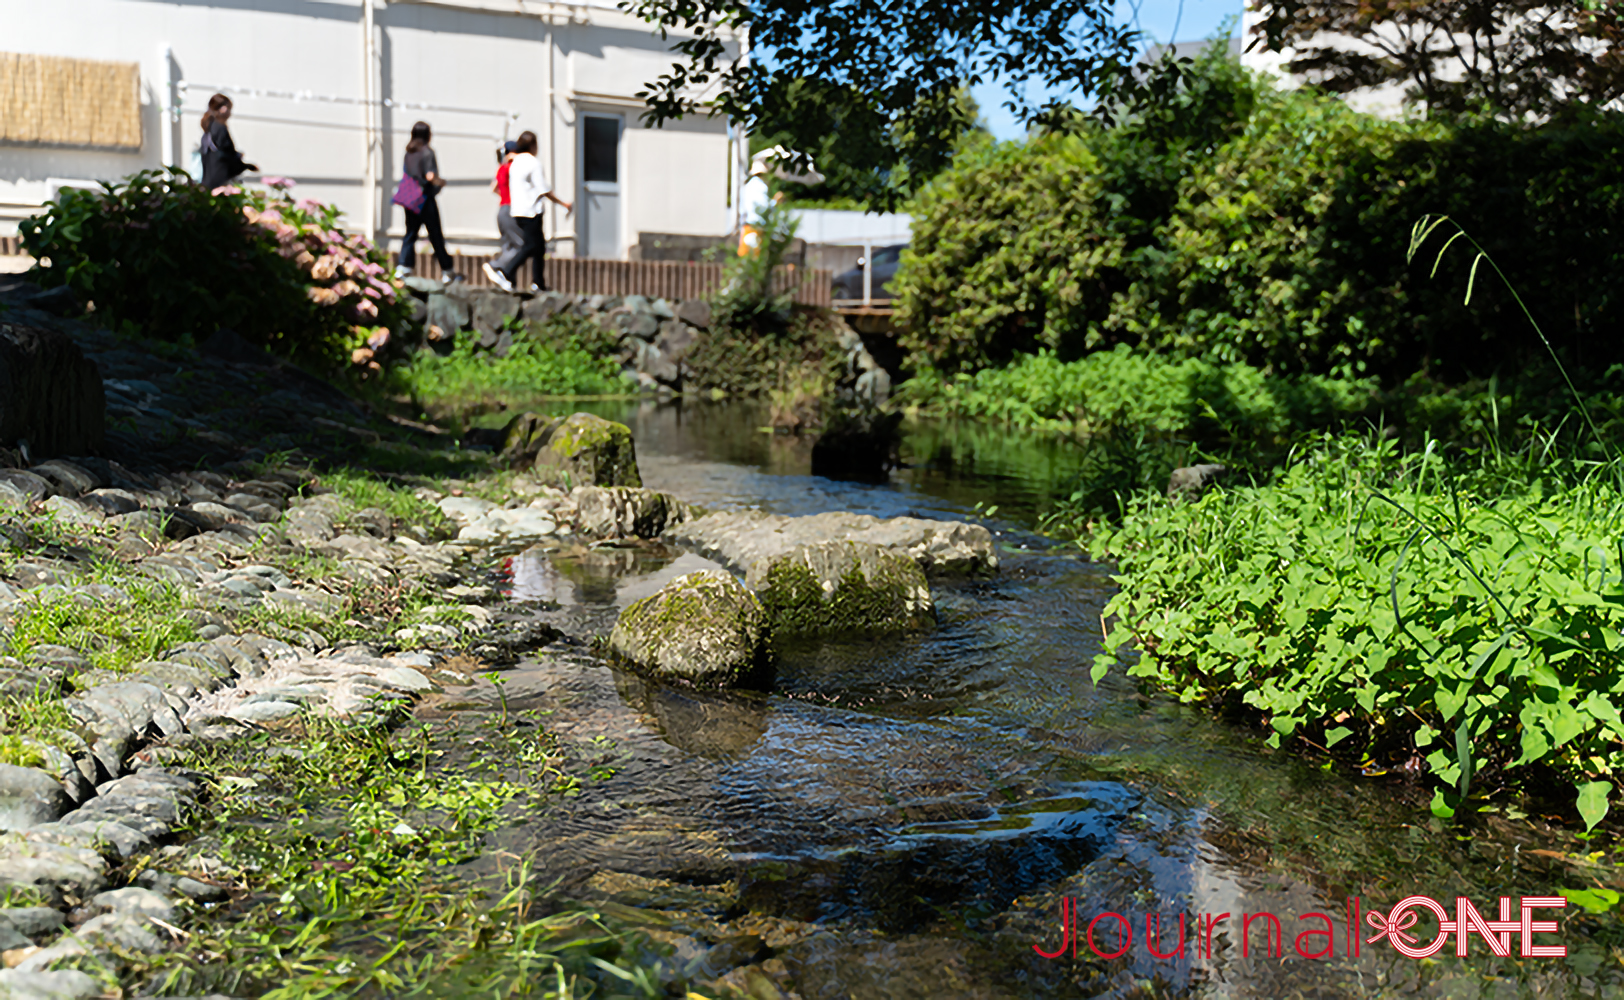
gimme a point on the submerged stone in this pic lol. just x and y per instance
(841, 586)
(703, 629)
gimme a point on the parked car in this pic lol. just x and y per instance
(849, 284)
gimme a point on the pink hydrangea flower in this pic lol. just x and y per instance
(308, 204)
(227, 189)
(279, 183)
(366, 309)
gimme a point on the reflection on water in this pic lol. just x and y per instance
(909, 817)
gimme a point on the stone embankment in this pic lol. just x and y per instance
(654, 337)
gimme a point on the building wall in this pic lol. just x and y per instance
(1386, 101)
(502, 65)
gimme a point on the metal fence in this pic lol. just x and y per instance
(654, 278)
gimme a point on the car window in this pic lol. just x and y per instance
(888, 255)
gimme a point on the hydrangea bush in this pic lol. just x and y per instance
(160, 256)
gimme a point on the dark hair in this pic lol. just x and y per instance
(216, 102)
(420, 137)
(527, 142)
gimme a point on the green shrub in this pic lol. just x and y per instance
(1388, 607)
(1247, 224)
(163, 258)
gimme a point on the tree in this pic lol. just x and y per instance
(856, 170)
(1515, 59)
(878, 71)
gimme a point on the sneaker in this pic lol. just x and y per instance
(535, 287)
(497, 277)
(402, 271)
(450, 277)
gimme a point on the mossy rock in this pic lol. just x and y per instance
(703, 629)
(842, 587)
(578, 450)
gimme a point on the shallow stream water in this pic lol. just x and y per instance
(909, 817)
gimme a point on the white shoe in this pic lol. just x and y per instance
(402, 271)
(497, 277)
(535, 287)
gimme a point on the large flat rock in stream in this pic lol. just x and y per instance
(738, 539)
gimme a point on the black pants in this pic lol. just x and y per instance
(534, 249)
(428, 218)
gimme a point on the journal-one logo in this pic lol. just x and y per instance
(1315, 935)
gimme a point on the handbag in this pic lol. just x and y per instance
(410, 195)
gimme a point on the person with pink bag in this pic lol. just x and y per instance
(420, 181)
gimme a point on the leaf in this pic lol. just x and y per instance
(1598, 900)
(1592, 802)
(1463, 754)
(1337, 735)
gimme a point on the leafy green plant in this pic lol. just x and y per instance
(165, 259)
(751, 282)
(1387, 606)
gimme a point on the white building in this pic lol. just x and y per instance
(326, 92)
(1384, 101)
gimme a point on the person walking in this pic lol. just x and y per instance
(220, 159)
(422, 211)
(529, 187)
(512, 235)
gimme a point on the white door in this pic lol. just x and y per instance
(600, 183)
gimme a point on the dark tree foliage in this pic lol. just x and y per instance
(860, 172)
(876, 71)
(1509, 58)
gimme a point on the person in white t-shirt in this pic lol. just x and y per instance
(528, 189)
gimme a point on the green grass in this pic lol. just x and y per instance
(114, 635)
(351, 883)
(541, 363)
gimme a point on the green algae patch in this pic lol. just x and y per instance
(703, 629)
(842, 587)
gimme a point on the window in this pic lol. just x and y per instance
(602, 149)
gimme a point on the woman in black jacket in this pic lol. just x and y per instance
(422, 167)
(221, 161)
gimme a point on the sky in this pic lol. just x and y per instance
(1161, 20)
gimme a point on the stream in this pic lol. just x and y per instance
(909, 817)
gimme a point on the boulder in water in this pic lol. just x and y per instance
(580, 449)
(704, 629)
(841, 587)
(739, 538)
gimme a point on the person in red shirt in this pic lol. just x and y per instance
(512, 235)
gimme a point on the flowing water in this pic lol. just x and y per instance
(909, 817)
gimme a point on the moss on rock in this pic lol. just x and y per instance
(578, 450)
(703, 629)
(842, 586)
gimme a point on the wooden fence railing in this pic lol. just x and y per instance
(657, 279)
(654, 278)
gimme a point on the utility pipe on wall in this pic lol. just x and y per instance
(369, 132)
(170, 113)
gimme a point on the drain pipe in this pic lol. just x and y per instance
(369, 114)
(170, 115)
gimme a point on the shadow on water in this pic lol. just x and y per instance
(907, 817)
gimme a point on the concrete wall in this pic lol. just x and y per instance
(503, 66)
